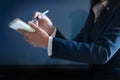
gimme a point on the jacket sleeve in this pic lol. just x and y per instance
(59, 35)
(98, 52)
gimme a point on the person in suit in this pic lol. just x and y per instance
(97, 44)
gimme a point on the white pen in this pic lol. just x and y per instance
(44, 13)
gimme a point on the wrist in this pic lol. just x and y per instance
(51, 30)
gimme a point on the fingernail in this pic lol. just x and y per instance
(29, 22)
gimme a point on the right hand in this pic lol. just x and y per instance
(44, 22)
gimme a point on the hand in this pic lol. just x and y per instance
(39, 38)
(44, 22)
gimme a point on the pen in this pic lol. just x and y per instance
(44, 13)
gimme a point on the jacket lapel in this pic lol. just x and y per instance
(89, 23)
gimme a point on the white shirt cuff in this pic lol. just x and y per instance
(50, 42)
(50, 46)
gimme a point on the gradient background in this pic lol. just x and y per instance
(68, 16)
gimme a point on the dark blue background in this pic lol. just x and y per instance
(68, 16)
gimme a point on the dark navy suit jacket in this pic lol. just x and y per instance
(98, 42)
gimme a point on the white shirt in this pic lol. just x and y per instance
(97, 10)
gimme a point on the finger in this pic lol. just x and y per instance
(22, 31)
(42, 19)
(30, 41)
(37, 29)
(27, 39)
(36, 14)
(36, 23)
(26, 33)
(33, 26)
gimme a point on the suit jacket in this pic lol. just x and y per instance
(97, 43)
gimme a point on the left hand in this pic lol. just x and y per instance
(39, 38)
